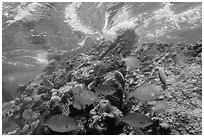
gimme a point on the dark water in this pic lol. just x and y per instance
(27, 42)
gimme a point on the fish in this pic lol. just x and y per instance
(180, 57)
(131, 62)
(77, 90)
(151, 52)
(61, 123)
(162, 75)
(122, 134)
(77, 104)
(86, 97)
(29, 115)
(159, 108)
(145, 92)
(136, 120)
(105, 89)
(100, 68)
(8, 125)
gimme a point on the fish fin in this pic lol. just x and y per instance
(132, 132)
(136, 131)
(114, 98)
(151, 112)
(162, 75)
(77, 104)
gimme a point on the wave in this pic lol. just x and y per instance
(19, 63)
(148, 24)
(73, 20)
(164, 20)
(109, 27)
(124, 19)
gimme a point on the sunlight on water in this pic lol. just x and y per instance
(42, 58)
(149, 25)
(122, 20)
(73, 20)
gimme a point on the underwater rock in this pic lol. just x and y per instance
(68, 87)
(25, 129)
(51, 67)
(32, 89)
(123, 43)
(42, 89)
(27, 100)
(58, 78)
(105, 109)
(101, 114)
(84, 74)
(37, 105)
(21, 89)
(100, 68)
(46, 96)
(55, 98)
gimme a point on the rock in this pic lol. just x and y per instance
(67, 88)
(42, 90)
(27, 100)
(46, 96)
(25, 129)
(123, 43)
(59, 78)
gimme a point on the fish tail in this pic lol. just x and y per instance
(164, 87)
(117, 118)
(42, 122)
(121, 56)
(151, 112)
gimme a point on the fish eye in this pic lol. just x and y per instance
(66, 126)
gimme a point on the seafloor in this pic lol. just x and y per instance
(99, 64)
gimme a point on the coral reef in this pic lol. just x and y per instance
(67, 87)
